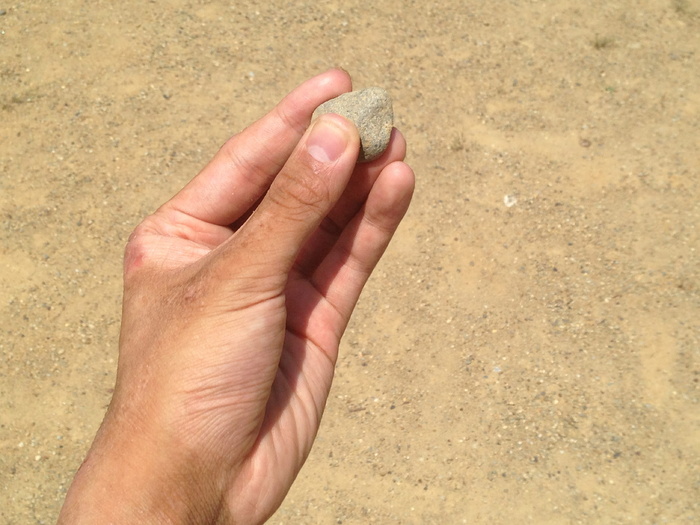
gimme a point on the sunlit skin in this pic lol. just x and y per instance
(237, 292)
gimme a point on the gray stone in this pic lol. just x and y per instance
(371, 111)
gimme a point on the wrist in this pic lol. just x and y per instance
(128, 478)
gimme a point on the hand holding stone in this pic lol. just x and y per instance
(236, 294)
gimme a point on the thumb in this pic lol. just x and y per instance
(302, 194)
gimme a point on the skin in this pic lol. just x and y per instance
(237, 292)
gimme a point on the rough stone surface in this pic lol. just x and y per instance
(371, 111)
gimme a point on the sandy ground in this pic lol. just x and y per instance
(528, 350)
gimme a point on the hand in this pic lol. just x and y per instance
(236, 294)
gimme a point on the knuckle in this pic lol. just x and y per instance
(135, 251)
(303, 193)
(290, 120)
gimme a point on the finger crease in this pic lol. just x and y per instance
(317, 346)
(289, 121)
(254, 174)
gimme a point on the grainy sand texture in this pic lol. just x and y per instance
(528, 349)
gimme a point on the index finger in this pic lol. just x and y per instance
(243, 169)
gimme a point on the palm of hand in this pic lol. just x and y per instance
(274, 435)
(300, 372)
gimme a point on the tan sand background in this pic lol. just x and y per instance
(527, 351)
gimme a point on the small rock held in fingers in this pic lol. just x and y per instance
(371, 111)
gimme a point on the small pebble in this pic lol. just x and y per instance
(372, 113)
(510, 201)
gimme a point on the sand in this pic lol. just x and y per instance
(528, 349)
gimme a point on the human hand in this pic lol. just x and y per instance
(236, 294)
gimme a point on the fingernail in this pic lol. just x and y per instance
(327, 141)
